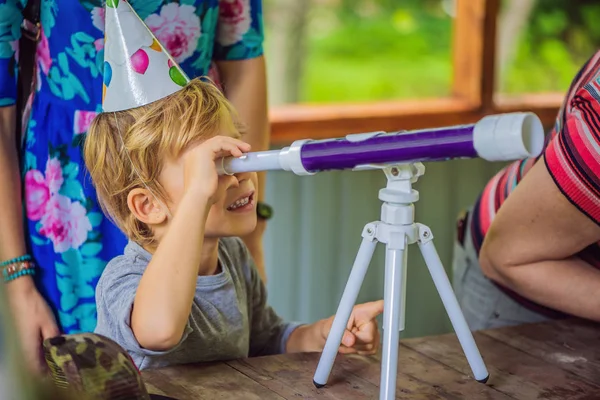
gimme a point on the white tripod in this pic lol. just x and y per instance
(397, 230)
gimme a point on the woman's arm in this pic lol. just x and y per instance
(12, 242)
(245, 85)
(531, 244)
(33, 318)
(11, 224)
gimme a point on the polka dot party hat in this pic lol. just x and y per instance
(137, 68)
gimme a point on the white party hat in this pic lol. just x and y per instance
(137, 68)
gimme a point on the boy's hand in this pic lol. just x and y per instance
(200, 170)
(362, 334)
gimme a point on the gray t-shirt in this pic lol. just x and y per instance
(230, 317)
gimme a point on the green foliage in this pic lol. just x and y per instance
(361, 50)
(560, 37)
(379, 50)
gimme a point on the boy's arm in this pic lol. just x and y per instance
(270, 335)
(164, 297)
(115, 295)
(163, 301)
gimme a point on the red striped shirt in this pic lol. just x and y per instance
(572, 156)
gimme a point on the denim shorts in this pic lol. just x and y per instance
(484, 305)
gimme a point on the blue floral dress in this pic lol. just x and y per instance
(68, 235)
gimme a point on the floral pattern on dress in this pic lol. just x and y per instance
(68, 235)
(177, 27)
(55, 202)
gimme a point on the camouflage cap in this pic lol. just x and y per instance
(95, 365)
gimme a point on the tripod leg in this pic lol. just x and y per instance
(393, 319)
(359, 270)
(444, 288)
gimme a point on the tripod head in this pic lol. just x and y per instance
(398, 195)
(400, 178)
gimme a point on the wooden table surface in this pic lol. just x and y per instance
(554, 360)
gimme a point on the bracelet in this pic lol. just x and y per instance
(18, 269)
(26, 257)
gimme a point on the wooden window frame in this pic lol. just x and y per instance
(473, 92)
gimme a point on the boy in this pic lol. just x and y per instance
(186, 289)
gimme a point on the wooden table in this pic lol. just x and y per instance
(555, 360)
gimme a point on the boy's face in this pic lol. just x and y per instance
(234, 211)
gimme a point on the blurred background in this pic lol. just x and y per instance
(328, 52)
(325, 51)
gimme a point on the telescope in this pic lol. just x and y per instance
(502, 137)
(399, 155)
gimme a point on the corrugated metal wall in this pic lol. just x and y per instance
(311, 242)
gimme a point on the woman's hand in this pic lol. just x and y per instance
(33, 320)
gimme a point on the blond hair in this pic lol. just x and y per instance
(149, 135)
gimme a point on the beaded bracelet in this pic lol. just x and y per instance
(18, 269)
(26, 257)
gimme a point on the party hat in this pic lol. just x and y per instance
(137, 68)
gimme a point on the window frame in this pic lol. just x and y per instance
(473, 92)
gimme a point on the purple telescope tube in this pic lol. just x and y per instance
(503, 137)
(355, 150)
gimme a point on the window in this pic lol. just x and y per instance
(463, 68)
(343, 51)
